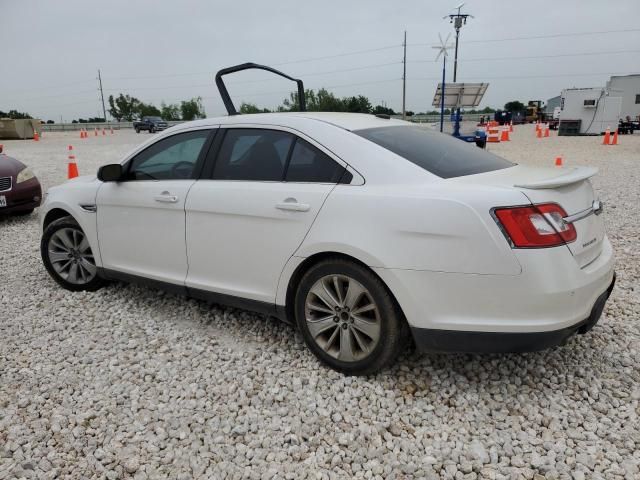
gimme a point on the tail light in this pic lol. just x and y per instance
(536, 226)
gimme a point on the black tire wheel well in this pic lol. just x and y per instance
(53, 215)
(308, 262)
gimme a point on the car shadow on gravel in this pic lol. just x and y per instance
(583, 355)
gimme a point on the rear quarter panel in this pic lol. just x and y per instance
(436, 226)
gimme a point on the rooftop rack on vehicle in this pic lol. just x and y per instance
(224, 93)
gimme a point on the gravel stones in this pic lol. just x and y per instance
(132, 383)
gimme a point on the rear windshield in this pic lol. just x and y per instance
(442, 155)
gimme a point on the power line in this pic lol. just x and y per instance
(519, 77)
(538, 37)
(357, 52)
(48, 87)
(561, 55)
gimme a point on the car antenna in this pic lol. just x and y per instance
(224, 93)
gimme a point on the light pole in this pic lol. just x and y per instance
(458, 19)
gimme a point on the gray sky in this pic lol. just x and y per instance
(170, 50)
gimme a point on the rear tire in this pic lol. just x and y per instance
(348, 318)
(67, 256)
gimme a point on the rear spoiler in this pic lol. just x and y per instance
(574, 175)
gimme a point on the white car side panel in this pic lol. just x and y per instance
(140, 235)
(80, 191)
(238, 240)
(552, 293)
(416, 228)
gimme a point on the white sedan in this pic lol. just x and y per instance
(365, 232)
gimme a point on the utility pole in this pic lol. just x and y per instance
(458, 19)
(104, 110)
(404, 77)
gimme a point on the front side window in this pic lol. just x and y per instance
(173, 158)
(309, 164)
(442, 155)
(253, 154)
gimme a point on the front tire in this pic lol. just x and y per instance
(348, 318)
(67, 256)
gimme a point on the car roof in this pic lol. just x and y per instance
(346, 121)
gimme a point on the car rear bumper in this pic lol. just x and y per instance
(549, 301)
(435, 340)
(22, 197)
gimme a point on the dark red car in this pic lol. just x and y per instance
(20, 190)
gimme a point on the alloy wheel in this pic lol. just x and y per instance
(342, 318)
(71, 257)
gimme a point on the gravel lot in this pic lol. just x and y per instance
(129, 382)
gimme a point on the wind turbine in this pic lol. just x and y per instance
(442, 51)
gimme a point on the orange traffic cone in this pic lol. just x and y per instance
(95, 132)
(103, 132)
(538, 132)
(559, 161)
(511, 126)
(72, 166)
(614, 141)
(607, 135)
(111, 130)
(81, 133)
(36, 137)
(504, 136)
(546, 131)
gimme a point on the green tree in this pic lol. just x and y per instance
(515, 106)
(170, 111)
(15, 115)
(379, 109)
(148, 110)
(252, 108)
(359, 104)
(124, 107)
(192, 109)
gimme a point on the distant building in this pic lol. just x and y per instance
(552, 103)
(628, 88)
(601, 107)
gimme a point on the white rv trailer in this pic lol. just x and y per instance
(602, 107)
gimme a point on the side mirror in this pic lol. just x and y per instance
(110, 173)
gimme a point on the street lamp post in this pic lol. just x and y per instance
(458, 19)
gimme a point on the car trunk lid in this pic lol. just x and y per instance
(568, 187)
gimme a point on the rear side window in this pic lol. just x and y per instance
(253, 154)
(442, 155)
(309, 164)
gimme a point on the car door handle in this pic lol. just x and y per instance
(165, 197)
(292, 205)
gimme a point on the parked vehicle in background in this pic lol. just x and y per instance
(151, 124)
(20, 191)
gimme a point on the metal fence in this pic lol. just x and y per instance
(70, 127)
